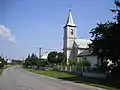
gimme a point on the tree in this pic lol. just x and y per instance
(31, 60)
(85, 63)
(56, 58)
(72, 62)
(106, 41)
(117, 11)
(61, 58)
(52, 58)
(43, 63)
(2, 62)
(102, 40)
(27, 62)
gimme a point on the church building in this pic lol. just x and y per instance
(72, 46)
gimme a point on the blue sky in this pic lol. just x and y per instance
(39, 23)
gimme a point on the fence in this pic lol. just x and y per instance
(80, 70)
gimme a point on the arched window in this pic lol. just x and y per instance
(71, 31)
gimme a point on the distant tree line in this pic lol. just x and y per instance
(54, 58)
(56, 61)
(16, 62)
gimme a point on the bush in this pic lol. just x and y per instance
(2, 62)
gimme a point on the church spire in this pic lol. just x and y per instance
(70, 21)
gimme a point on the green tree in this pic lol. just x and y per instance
(27, 62)
(117, 11)
(72, 62)
(61, 58)
(31, 60)
(2, 62)
(85, 63)
(56, 60)
(52, 58)
(106, 41)
(44, 63)
(38, 63)
(80, 63)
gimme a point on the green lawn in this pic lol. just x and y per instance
(55, 74)
(75, 78)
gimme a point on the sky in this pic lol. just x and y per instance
(26, 25)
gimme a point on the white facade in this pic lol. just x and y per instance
(44, 56)
(72, 46)
(92, 59)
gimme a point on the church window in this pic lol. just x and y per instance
(84, 58)
(71, 31)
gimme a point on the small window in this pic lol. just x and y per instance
(85, 58)
(71, 31)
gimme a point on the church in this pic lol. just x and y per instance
(73, 47)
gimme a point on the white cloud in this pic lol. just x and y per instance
(6, 33)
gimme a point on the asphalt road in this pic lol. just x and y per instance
(15, 78)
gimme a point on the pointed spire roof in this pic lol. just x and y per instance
(70, 20)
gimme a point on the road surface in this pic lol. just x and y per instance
(15, 78)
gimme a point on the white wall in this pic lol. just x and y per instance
(93, 60)
(69, 39)
(79, 51)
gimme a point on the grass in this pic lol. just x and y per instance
(92, 81)
(55, 74)
(1, 70)
(75, 78)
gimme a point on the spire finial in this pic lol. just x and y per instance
(70, 8)
(70, 21)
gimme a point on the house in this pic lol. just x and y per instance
(87, 55)
(44, 56)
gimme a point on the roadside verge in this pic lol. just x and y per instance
(74, 78)
(1, 70)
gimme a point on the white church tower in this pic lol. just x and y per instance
(69, 37)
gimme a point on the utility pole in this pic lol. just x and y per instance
(40, 53)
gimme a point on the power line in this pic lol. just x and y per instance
(43, 48)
